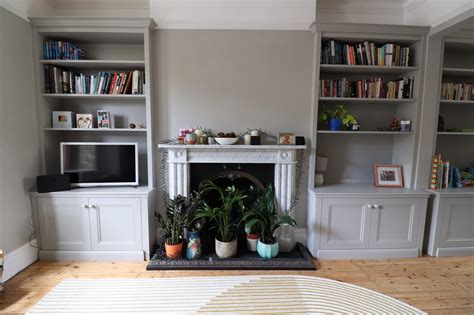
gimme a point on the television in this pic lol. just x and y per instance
(100, 164)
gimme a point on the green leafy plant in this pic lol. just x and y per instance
(174, 221)
(338, 113)
(221, 217)
(262, 216)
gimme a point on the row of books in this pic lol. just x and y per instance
(457, 91)
(366, 53)
(56, 49)
(444, 175)
(370, 88)
(58, 80)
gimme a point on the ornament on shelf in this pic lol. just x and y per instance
(395, 124)
(321, 166)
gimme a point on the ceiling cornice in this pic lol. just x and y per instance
(366, 7)
(103, 4)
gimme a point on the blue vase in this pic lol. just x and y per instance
(267, 251)
(335, 124)
(193, 249)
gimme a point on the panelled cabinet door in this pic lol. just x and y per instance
(345, 223)
(394, 223)
(116, 224)
(457, 222)
(64, 223)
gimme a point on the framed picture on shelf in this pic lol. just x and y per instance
(388, 175)
(286, 138)
(103, 119)
(84, 121)
(62, 119)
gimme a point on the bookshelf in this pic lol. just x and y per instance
(110, 45)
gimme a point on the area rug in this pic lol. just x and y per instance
(242, 294)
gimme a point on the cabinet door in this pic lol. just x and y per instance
(345, 223)
(394, 223)
(116, 224)
(457, 227)
(64, 223)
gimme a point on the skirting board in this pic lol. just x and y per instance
(18, 260)
(92, 255)
(367, 253)
(455, 251)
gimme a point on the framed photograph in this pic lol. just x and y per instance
(62, 119)
(388, 175)
(103, 119)
(286, 138)
(84, 121)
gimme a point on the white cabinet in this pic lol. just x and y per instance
(366, 223)
(96, 224)
(451, 230)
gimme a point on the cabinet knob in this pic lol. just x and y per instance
(370, 206)
(376, 206)
(85, 206)
(93, 206)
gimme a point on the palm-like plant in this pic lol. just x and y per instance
(221, 217)
(175, 219)
(262, 216)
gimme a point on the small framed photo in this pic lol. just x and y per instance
(388, 175)
(84, 121)
(62, 119)
(104, 120)
(286, 138)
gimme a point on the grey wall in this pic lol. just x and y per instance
(19, 152)
(234, 80)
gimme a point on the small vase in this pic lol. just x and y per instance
(226, 249)
(193, 249)
(318, 179)
(174, 251)
(191, 138)
(252, 240)
(267, 251)
(335, 124)
(286, 238)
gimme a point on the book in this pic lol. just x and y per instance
(56, 49)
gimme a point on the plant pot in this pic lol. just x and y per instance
(353, 127)
(252, 240)
(267, 251)
(286, 238)
(191, 138)
(174, 251)
(226, 249)
(335, 124)
(193, 248)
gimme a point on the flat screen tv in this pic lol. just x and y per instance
(100, 164)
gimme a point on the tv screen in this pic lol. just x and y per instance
(100, 164)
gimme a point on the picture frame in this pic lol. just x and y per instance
(104, 120)
(62, 119)
(388, 176)
(84, 121)
(286, 138)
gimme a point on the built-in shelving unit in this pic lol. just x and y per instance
(362, 132)
(366, 100)
(361, 69)
(110, 45)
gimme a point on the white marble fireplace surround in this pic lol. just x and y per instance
(283, 156)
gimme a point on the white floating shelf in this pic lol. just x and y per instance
(365, 69)
(96, 129)
(447, 133)
(98, 64)
(366, 132)
(95, 96)
(367, 100)
(458, 72)
(456, 102)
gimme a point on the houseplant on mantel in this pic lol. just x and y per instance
(221, 217)
(262, 216)
(337, 118)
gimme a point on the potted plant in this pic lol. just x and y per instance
(262, 214)
(193, 227)
(222, 217)
(172, 226)
(337, 118)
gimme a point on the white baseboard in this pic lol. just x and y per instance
(300, 235)
(18, 260)
(367, 253)
(92, 255)
(455, 251)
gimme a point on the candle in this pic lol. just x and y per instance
(254, 132)
(247, 139)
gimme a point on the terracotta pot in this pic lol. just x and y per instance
(252, 240)
(226, 249)
(174, 251)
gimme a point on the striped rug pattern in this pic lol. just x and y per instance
(216, 295)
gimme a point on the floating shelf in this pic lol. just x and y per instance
(98, 64)
(366, 132)
(95, 96)
(456, 102)
(454, 133)
(458, 72)
(365, 69)
(96, 129)
(367, 100)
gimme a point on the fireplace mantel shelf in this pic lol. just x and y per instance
(233, 147)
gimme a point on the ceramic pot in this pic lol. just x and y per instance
(286, 238)
(318, 179)
(335, 124)
(267, 251)
(252, 240)
(193, 248)
(191, 138)
(174, 251)
(226, 249)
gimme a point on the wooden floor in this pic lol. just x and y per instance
(436, 285)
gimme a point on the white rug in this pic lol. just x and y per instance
(246, 294)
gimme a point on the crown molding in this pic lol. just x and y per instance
(102, 4)
(68, 21)
(361, 7)
(19, 8)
